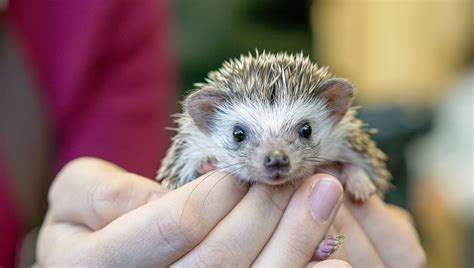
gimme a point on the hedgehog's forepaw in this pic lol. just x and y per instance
(328, 246)
(358, 184)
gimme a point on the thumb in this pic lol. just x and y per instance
(93, 192)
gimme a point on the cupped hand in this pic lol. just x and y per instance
(101, 215)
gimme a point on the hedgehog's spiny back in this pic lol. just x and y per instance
(265, 75)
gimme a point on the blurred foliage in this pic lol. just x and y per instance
(212, 31)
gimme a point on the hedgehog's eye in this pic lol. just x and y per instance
(305, 131)
(239, 134)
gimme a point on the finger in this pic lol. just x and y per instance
(257, 214)
(93, 193)
(304, 223)
(360, 251)
(160, 232)
(329, 264)
(394, 237)
(400, 213)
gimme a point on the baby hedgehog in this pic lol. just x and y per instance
(274, 119)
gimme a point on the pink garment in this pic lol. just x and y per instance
(107, 77)
(10, 220)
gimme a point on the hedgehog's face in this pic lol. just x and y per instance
(273, 142)
(270, 141)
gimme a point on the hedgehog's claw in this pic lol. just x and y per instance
(328, 246)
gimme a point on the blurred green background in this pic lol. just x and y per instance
(211, 31)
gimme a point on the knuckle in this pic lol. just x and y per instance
(217, 255)
(169, 235)
(270, 201)
(299, 247)
(104, 198)
(176, 234)
(107, 190)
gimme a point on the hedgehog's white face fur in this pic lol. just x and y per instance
(293, 129)
(266, 118)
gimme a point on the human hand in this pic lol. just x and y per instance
(101, 215)
(378, 235)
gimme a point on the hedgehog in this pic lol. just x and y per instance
(274, 119)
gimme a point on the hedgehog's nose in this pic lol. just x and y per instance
(276, 160)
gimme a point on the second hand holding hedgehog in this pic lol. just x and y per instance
(274, 119)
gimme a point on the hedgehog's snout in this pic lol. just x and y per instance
(277, 162)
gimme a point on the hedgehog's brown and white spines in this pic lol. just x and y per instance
(273, 78)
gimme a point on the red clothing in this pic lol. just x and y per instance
(107, 77)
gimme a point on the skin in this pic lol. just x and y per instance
(99, 214)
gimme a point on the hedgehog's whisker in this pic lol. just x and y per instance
(320, 160)
(204, 148)
(213, 186)
(199, 183)
(323, 160)
(192, 191)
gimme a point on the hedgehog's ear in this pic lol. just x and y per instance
(201, 106)
(338, 94)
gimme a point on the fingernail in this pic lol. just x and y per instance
(324, 198)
